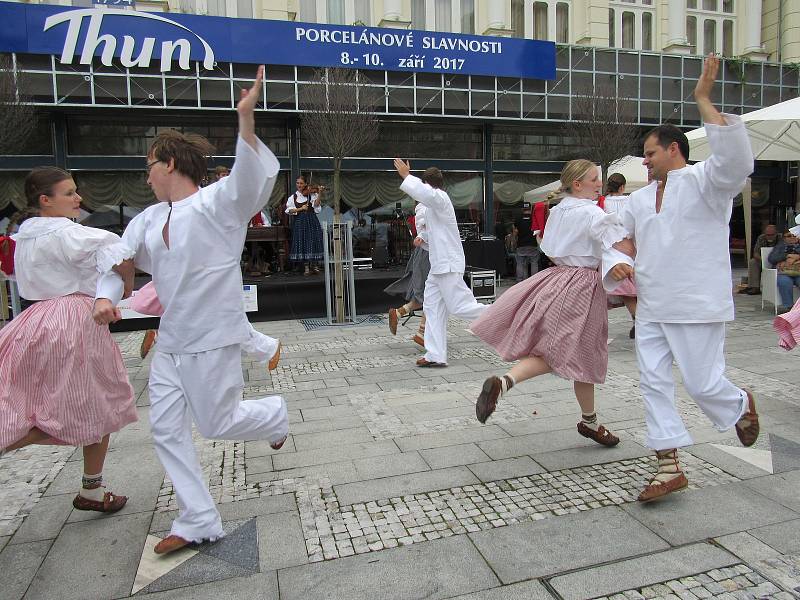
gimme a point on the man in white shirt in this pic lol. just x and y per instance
(191, 242)
(445, 291)
(683, 276)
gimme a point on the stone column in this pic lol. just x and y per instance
(497, 14)
(393, 15)
(676, 31)
(752, 46)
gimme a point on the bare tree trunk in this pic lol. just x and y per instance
(338, 249)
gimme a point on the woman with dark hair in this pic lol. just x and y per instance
(615, 204)
(62, 379)
(304, 204)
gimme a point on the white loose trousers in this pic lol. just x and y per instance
(204, 388)
(697, 348)
(446, 294)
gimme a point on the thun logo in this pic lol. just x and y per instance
(94, 40)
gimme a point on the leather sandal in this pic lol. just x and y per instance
(487, 400)
(424, 363)
(747, 428)
(658, 489)
(393, 319)
(602, 436)
(110, 503)
(171, 543)
(276, 358)
(418, 339)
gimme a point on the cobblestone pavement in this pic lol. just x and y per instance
(388, 486)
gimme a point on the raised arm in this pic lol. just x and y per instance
(413, 186)
(246, 110)
(731, 160)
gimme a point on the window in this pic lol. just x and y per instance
(691, 31)
(612, 27)
(417, 14)
(710, 5)
(308, 11)
(518, 18)
(443, 15)
(216, 8)
(244, 9)
(727, 37)
(336, 12)
(467, 16)
(727, 6)
(628, 26)
(540, 20)
(562, 23)
(691, 3)
(709, 36)
(647, 31)
(362, 12)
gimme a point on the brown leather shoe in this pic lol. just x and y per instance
(279, 444)
(147, 342)
(419, 340)
(424, 362)
(487, 400)
(747, 428)
(393, 320)
(656, 489)
(602, 436)
(171, 543)
(276, 358)
(110, 503)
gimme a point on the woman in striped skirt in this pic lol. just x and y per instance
(556, 321)
(62, 379)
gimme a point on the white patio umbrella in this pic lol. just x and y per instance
(774, 133)
(633, 170)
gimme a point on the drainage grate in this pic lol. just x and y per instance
(311, 324)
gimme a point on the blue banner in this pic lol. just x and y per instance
(170, 41)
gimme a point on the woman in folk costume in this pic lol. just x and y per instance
(304, 204)
(62, 379)
(412, 284)
(614, 204)
(556, 321)
(788, 324)
(262, 347)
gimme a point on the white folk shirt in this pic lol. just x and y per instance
(683, 265)
(198, 278)
(56, 257)
(578, 232)
(615, 204)
(290, 203)
(446, 251)
(421, 225)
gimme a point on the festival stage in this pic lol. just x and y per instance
(292, 295)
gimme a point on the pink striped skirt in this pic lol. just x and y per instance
(145, 301)
(788, 327)
(560, 315)
(62, 373)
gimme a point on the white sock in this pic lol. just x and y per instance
(590, 421)
(95, 489)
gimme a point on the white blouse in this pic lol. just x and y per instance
(291, 204)
(56, 257)
(578, 232)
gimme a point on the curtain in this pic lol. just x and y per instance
(12, 190)
(562, 23)
(99, 189)
(628, 27)
(444, 15)
(540, 20)
(307, 11)
(417, 14)
(362, 11)
(336, 12)
(467, 16)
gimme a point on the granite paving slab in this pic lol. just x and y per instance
(542, 548)
(526, 590)
(18, 565)
(421, 571)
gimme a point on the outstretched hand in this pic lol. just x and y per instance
(403, 168)
(621, 271)
(708, 77)
(105, 312)
(249, 97)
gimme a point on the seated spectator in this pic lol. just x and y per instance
(768, 238)
(785, 257)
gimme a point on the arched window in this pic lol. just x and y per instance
(467, 16)
(727, 37)
(647, 31)
(540, 20)
(628, 28)
(336, 12)
(562, 23)
(691, 31)
(612, 28)
(709, 36)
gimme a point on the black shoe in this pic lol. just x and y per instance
(632, 332)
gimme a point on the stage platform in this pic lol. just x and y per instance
(292, 295)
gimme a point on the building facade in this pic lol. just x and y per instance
(496, 137)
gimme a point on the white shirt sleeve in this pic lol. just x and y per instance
(724, 173)
(134, 238)
(110, 286)
(290, 205)
(423, 193)
(317, 207)
(232, 201)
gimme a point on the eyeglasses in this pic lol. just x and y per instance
(149, 165)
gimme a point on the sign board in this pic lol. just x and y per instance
(171, 41)
(250, 298)
(113, 3)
